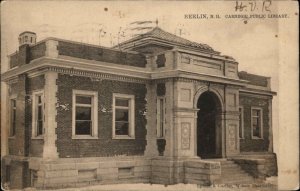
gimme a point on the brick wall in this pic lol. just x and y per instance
(27, 53)
(254, 79)
(101, 54)
(247, 144)
(37, 51)
(105, 145)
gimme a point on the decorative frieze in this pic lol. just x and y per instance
(95, 76)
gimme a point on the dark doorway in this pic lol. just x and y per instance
(207, 134)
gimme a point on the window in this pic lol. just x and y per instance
(85, 114)
(38, 114)
(123, 116)
(241, 122)
(13, 112)
(160, 117)
(256, 123)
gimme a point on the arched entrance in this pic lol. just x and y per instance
(209, 133)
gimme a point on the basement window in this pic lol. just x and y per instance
(87, 174)
(125, 172)
(85, 114)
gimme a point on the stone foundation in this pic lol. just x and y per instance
(167, 171)
(78, 172)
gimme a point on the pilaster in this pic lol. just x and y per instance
(50, 149)
(51, 48)
(151, 147)
(4, 117)
(231, 120)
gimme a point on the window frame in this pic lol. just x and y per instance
(158, 117)
(94, 113)
(261, 123)
(131, 118)
(241, 121)
(35, 114)
(13, 97)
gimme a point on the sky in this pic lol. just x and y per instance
(252, 44)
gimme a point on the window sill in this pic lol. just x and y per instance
(12, 137)
(123, 137)
(84, 137)
(38, 137)
(160, 138)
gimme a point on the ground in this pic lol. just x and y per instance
(269, 185)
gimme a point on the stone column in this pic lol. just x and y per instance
(185, 120)
(50, 150)
(231, 133)
(169, 120)
(4, 119)
(151, 147)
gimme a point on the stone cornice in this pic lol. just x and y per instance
(258, 91)
(103, 70)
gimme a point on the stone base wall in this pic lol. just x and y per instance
(167, 171)
(77, 172)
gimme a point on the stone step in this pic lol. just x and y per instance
(230, 166)
(232, 173)
(236, 182)
(235, 177)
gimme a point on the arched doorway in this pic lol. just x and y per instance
(208, 126)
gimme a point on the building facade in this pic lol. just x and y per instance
(154, 109)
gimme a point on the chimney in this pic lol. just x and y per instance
(26, 39)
